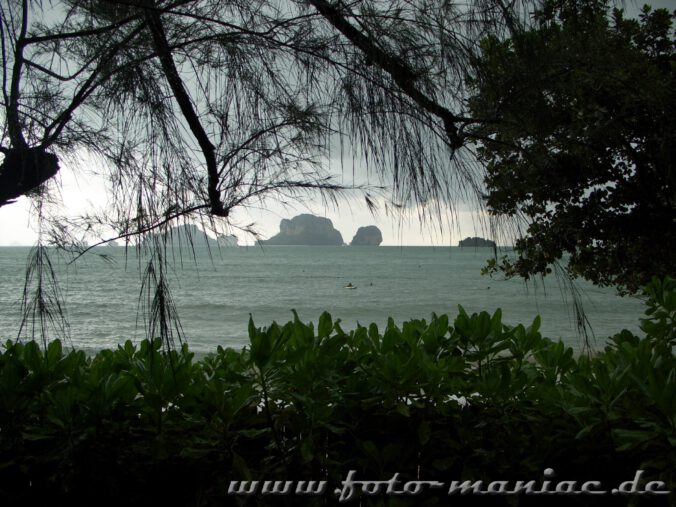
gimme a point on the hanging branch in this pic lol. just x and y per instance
(402, 75)
(185, 104)
(41, 307)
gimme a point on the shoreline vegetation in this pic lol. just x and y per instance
(443, 400)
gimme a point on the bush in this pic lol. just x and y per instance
(474, 399)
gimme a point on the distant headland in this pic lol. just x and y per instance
(190, 235)
(477, 242)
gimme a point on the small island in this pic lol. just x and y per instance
(189, 235)
(227, 240)
(306, 229)
(476, 242)
(367, 236)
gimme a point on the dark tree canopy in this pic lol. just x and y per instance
(580, 141)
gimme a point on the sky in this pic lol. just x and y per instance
(78, 193)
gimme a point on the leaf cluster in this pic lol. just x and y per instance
(578, 141)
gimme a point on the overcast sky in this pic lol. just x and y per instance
(18, 227)
(80, 193)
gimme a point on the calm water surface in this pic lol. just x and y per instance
(214, 295)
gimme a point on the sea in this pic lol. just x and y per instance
(215, 291)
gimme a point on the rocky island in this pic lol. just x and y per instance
(306, 229)
(367, 236)
(227, 240)
(477, 242)
(187, 235)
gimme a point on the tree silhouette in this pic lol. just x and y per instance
(581, 146)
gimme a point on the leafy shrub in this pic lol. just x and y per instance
(440, 400)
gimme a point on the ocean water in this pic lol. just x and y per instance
(214, 292)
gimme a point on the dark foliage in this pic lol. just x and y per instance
(23, 170)
(469, 400)
(579, 141)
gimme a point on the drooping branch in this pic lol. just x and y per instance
(13, 125)
(42, 302)
(182, 97)
(56, 37)
(24, 168)
(400, 73)
(93, 81)
(3, 47)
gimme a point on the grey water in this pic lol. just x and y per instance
(216, 291)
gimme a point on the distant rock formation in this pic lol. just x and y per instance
(306, 229)
(227, 240)
(367, 236)
(185, 236)
(477, 242)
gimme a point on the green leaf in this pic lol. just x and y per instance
(535, 326)
(373, 334)
(325, 325)
(252, 330)
(307, 449)
(585, 431)
(33, 356)
(496, 323)
(54, 352)
(402, 409)
(424, 432)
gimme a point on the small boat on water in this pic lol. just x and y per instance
(350, 286)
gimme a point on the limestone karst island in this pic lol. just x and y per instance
(189, 235)
(367, 236)
(312, 230)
